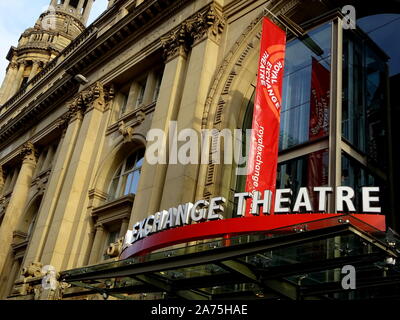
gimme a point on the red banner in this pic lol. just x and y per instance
(263, 157)
(318, 127)
(319, 104)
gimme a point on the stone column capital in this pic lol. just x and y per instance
(23, 63)
(207, 23)
(99, 227)
(13, 65)
(95, 96)
(38, 63)
(28, 152)
(176, 43)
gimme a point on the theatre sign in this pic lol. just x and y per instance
(204, 219)
(261, 208)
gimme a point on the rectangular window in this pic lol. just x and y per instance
(140, 90)
(308, 171)
(364, 120)
(306, 85)
(157, 87)
(357, 176)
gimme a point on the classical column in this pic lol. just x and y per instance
(17, 203)
(18, 78)
(5, 82)
(87, 10)
(97, 244)
(8, 82)
(206, 28)
(35, 69)
(152, 179)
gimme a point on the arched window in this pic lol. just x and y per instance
(126, 178)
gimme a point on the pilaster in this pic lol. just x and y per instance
(205, 28)
(16, 206)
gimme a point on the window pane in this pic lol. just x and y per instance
(113, 189)
(127, 176)
(356, 176)
(135, 182)
(130, 162)
(305, 96)
(139, 163)
(308, 171)
(128, 184)
(365, 79)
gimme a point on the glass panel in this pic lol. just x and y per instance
(139, 163)
(130, 162)
(308, 171)
(340, 246)
(158, 87)
(128, 185)
(365, 79)
(135, 182)
(113, 189)
(141, 89)
(305, 99)
(192, 272)
(356, 176)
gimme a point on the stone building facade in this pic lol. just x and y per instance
(77, 103)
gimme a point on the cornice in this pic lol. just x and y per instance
(80, 57)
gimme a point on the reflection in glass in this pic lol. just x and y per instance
(305, 98)
(365, 79)
(356, 176)
(307, 171)
(126, 179)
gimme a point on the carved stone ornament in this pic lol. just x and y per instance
(95, 96)
(176, 43)
(114, 249)
(28, 152)
(206, 23)
(126, 131)
(33, 270)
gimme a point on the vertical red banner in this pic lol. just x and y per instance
(263, 158)
(318, 127)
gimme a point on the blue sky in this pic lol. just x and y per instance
(18, 15)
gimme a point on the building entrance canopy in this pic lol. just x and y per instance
(302, 263)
